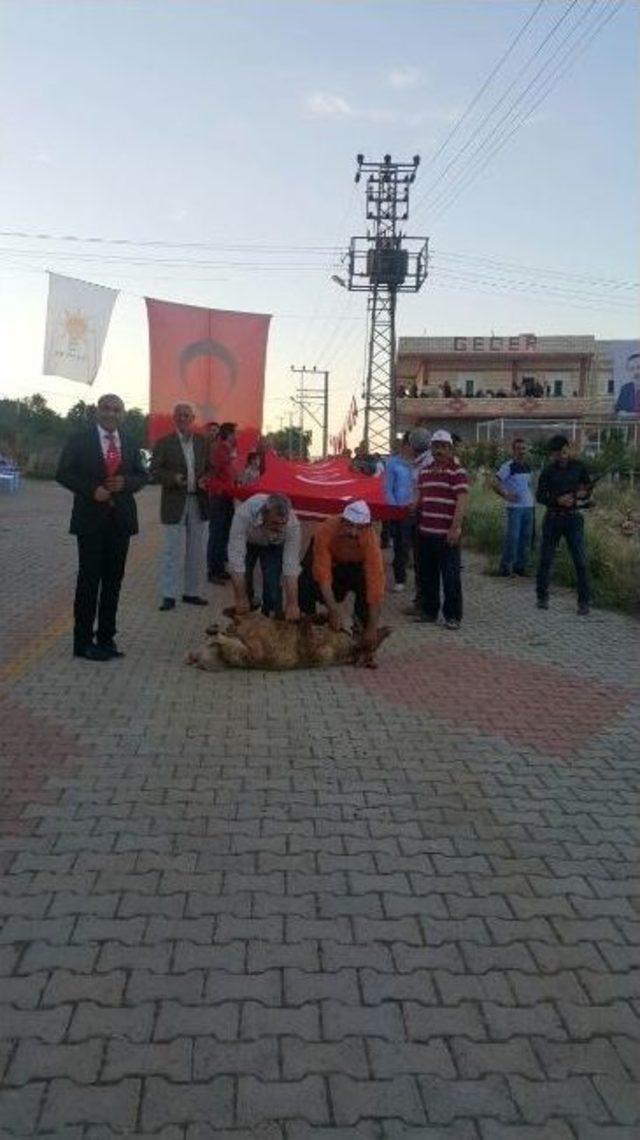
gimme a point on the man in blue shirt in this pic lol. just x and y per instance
(513, 484)
(399, 491)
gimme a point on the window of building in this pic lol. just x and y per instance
(558, 387)
(610, 387)
(469, 386)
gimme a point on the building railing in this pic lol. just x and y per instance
(486, 407)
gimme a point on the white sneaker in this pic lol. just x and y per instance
(398, 588)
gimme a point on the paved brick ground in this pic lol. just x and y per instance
(316, 905)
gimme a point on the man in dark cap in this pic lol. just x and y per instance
(563, 485)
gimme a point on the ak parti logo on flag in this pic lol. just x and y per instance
(213, 359)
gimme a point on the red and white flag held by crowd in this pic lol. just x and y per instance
(78, 315)
(213, 359)
(322, 488)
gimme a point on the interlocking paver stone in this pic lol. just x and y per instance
(165, 1102)
(300, 1058)
(67, 1103)
(38, 1060)
(312, 906)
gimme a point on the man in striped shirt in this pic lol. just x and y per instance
(442, 498)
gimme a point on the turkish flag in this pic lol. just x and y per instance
(322, 488)
(213, 359)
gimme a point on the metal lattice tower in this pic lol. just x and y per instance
(384, 263)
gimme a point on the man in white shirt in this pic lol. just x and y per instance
(265, 530)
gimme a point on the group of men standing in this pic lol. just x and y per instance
(104, 470)
(426, 477)
(196, 474)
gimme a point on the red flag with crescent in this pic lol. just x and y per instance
(213, 359)
(322, 488)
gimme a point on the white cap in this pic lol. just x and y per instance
(357, 513)
(441, 436)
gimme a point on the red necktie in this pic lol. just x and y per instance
(112, 455)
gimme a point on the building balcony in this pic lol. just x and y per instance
(412, 409)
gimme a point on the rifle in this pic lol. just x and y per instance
(585, 502)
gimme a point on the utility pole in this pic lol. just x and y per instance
(383, 263)
(310, 399)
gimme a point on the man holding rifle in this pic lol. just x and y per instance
(564, 486)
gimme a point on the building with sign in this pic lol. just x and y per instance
(502, 383)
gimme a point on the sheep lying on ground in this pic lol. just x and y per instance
(258, 642)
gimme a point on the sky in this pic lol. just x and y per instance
(224, 133)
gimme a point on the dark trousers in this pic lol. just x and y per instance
(347, 578)
(270, 559)
(401, 531)
(101, 561)
(416, 561)
(220, 519)
(439, 563)
(570, 526)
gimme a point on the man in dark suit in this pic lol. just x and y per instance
(179, 464)
(104, 470)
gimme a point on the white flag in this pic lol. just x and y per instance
(78, 316)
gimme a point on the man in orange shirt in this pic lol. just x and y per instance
(344, 557)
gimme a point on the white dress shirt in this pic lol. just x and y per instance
(247, 527)
(190, 460)
(106, 437)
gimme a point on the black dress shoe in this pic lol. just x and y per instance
(93, 653)
(193, 600)
(111, 648)
(168, 604)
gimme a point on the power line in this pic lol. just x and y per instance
(534, 287)
(189, 263)
(455, 255)
(503, 58)
(552, 81)
(602, 286)
(99, 240)
(498, 102)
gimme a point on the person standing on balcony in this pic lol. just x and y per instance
(513, 482)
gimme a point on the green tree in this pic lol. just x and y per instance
(292, 443)
(135, 425)
(81, 414)
(40, 418)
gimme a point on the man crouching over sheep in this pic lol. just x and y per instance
(265, 530)
(344, 557)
